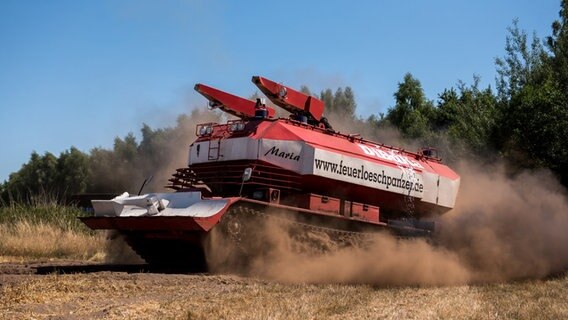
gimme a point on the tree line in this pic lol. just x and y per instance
(122, 168)
(524, 120)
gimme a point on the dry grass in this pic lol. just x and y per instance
(48, 212)
(46, 231)
(42, 240)
(108, 295)
(155, 296)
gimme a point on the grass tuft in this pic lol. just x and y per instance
(47, 230)
(52, 213)
(43, 240)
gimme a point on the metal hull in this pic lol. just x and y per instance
(180, 241)
(298, 169)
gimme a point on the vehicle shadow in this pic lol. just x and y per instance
(92, 268)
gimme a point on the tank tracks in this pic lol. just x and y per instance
(244, 224)
(250, 231)
(169, 254)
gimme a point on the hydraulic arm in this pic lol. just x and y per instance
(235, 105)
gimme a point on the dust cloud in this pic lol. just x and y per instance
(508, 228)
(275, 254)
(501, 229)
(177, 149)
(383, 261)
(118, 251)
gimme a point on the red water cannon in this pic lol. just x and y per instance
(232, 104)
(293, 101)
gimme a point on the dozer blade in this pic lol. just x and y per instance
(180, 211)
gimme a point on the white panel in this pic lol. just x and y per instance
(184, 204)
(354, 170)
(238, 149)
(296, 156)
(198, 152)
(308, 153)
(430, 187)
(448, 192)
(304, 159)
(230, 149)
(286, 154)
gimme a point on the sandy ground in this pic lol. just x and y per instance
(134, 292)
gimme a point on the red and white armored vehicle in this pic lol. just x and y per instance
(297, 165)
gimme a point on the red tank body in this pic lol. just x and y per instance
(298, 164)
(326, 163)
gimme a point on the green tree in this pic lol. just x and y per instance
(468, 116)
(126, 149)
(123, 168)
(340, 105)
(517, 67)
(101, 162)
(153, 147)
(37, 177)
(534, 106)
(412, 112)
(558, 44)
(305, 90)
(327, 97)
(536, 133)
(72, 172)
(349, 106)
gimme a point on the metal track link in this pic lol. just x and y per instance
(241, 221)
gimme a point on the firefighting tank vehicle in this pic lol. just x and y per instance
(296, 166)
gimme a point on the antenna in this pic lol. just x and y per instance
(144, 184)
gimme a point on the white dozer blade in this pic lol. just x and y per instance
(184, 204)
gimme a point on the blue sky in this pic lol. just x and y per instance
(79, 73)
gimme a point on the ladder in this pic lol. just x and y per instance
(214, 149)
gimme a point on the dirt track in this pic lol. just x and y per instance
(78, 290)
(135, 292)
